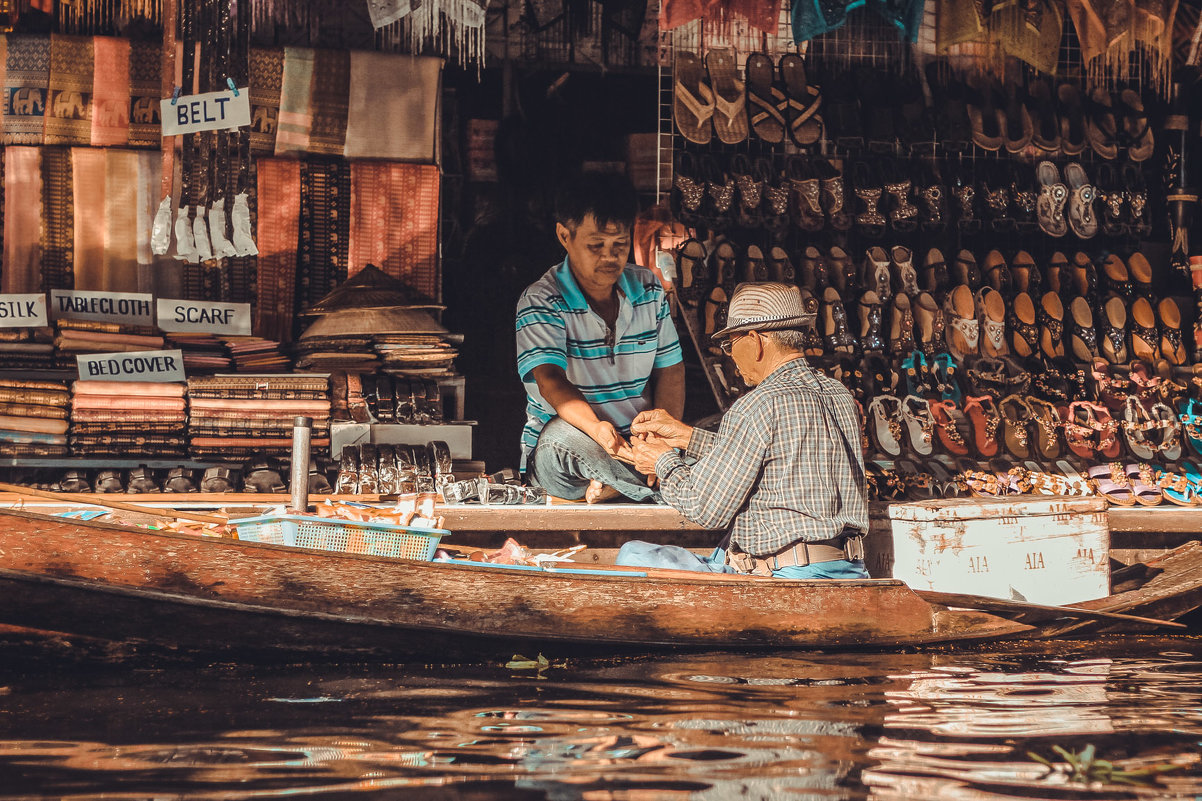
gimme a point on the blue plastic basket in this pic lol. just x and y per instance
(345, 536)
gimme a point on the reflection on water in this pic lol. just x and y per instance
(947, 725)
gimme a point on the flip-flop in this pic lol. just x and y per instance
(730, 97)
(1177, 488)
(804, 100)
(692, 99)
(765, 99)
(1112, 483)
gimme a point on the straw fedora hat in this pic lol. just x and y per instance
(766, 306)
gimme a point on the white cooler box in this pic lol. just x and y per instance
(1046, 550)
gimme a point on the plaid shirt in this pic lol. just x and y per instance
(785, 465)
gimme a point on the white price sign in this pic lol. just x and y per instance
(213, 111)
(134, 308)
(204, 317)
(162, 366)
(22, 311)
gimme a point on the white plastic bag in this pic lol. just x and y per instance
(185, 245)
(223, 248)
(160, 229)
(200, 230)
(244, 242)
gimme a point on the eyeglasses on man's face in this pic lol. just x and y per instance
(729, 343)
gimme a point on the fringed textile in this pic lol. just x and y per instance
(1111, 30)
(22, 220)
(266, 85)
(394, 222)
(26, 78)
(58, 228)
(331, 84)
(145, 70)
(296, 101)
(69, 97)
(393, 110)
(110, 92)
(88, 185)
(278, 234)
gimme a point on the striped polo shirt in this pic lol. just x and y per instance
(555, 325)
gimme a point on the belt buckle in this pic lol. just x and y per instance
(853, 548)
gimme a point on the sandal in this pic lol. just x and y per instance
(1051, 320)
(991, 316)
(1109, 481)
(1135, 132)
(141, 479)
(1114, 331)
(1016, 419)
(690, 270)
(1047, 429)
(780, 267)
(834, 197)
(803, 101)
(1191, 420)
(1137, 422)
(1177, 488)
(985, 420)
(920, 485)
(1172, 347)
(1053, 195)
(1081, 217)
(884, 425)
(766, 97)
(806, 193)
(1141, 275)
(944, 370)
(1090, 431)
(963, 330)
(688, 190)
(1169, 447)
(1025, 274)
(1073, 125)
(730, 98)
(948, 422)
(1100, 127)
(1144, 336)
(930, 324)
(692, 99)
(869, 191)
(835, 328)
(1113, 199)
(1144, 485)
(1083, 340)
(920, 425)
(1024, 333)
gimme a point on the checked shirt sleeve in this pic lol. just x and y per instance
(714, 489)
(542, 336)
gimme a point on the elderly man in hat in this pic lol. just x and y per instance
(784, 473)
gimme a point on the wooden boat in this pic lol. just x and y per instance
(129, 591)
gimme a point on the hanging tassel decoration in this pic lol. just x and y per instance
(200, 230)
(223, 248)
(185, 246)
(160, 230)
(244, 243)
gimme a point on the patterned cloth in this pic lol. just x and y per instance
(27, 75)
(394, 222)
(88, 181)
(556, 326)
(325, 228)
(296, 101)
(58, 216)
(120, 266)
(331, 84)
(110, 92)
(784, 467)
(278, 229)
(69, 99)
(266, 84)
(393, 107)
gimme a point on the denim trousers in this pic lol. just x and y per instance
(637, 553)
(565, 460)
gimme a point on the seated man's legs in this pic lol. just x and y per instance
(566, 459)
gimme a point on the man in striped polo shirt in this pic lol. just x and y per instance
(596, 346)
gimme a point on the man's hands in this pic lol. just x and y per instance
(605, 435)
(659, 425)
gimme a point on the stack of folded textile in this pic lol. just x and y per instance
(128, 418)
(203, 353)
(404, 341)
(33, 418)
(255, 355)
(27, 348)
(236, 416)
(84, 336)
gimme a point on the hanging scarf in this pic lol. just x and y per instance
(296, 101)
(394, 222)
(145, 71)
(278, 231)
(266, 84)
(88, 184)
(58, 229)
(120, 267)
(325, 199)
(110, 92)
(393, 111)
(69, 99)
(27, 74)
(331, 83)
(22, 220)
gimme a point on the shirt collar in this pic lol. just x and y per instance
(631, 287)
(799, 365)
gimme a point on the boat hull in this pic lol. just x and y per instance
(145, 591)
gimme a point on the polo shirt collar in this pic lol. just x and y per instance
(631, 287)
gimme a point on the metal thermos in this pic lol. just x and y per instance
(302, 430)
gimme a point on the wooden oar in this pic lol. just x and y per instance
(987, 604)
(100, 500)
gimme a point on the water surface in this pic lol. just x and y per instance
(932, 724)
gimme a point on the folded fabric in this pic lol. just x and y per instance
(142, 389)
(127, 402)
(32, 437)
(34, 410)
(109, 338)
(293, 406)
(46, 397)
(92, 346)
(127, 416)
(126, 427)
(26, 348)
(14, 450)
(278, 443)
(38, 424)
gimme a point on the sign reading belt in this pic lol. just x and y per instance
(212, 111)
(204, 317)
(133, 308)
(161, 366)
(22, 311)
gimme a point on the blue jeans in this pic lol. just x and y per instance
(566, 459)
(637, 553)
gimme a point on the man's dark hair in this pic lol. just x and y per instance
(608, 196)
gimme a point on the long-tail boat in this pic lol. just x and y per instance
(124, 591)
